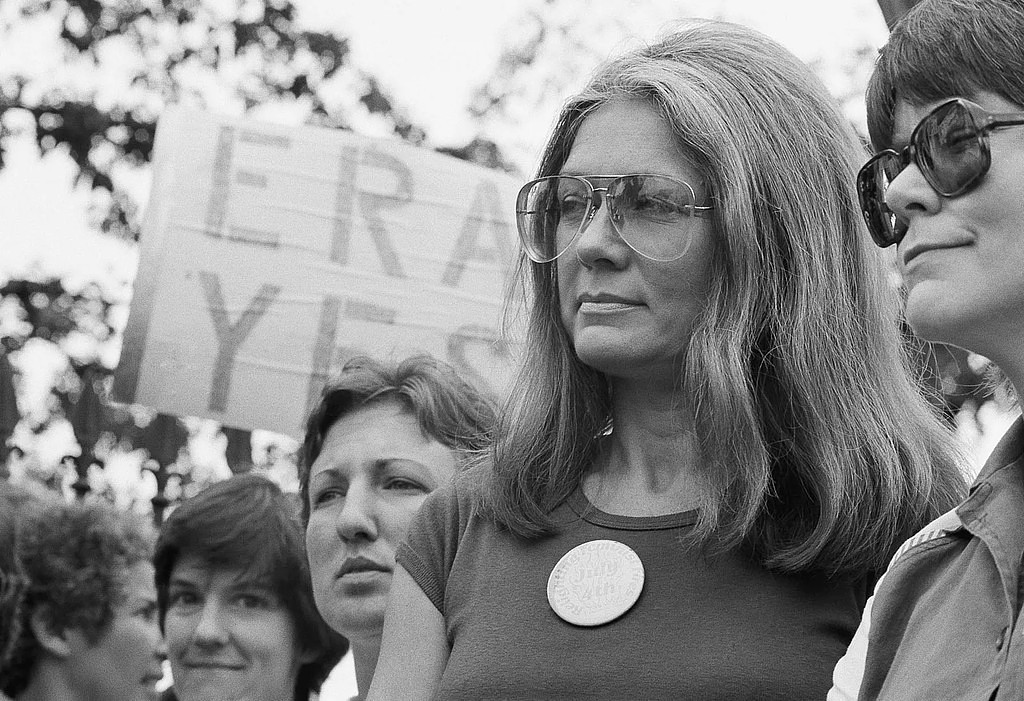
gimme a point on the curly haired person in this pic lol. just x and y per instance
(87, 617)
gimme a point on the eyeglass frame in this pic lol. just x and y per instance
(989, 122)
(694, 210)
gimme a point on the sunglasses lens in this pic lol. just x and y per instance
(549, 213)
(951, 149)
(873, 180)
(651, 213)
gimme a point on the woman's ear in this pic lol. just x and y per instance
(53, 641)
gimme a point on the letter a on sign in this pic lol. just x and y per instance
(486, 209)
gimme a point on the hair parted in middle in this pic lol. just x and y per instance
(818, 451)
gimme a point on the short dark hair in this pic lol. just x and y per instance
(947, 48)
(247, 523)
(448, 409)
(73, 558)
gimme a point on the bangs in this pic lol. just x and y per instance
(245, 525)
(917, 84)
(940, 50)
(261, 557)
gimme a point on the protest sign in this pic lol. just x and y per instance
(271, 254)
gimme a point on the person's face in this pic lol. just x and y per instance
(125, 663)
(962, 259)
(373, 473)
(229, 638)
(628, 315)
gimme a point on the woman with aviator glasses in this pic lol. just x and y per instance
(649, 212)
(712, 440)
(944, 621)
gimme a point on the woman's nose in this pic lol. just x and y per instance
(600, 243)
(358, 516)
(910, 195)
(211, 629)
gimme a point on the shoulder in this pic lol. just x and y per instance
(926, 565)
(447, 511)
(459, 496)
(945, 525)
(848, 675)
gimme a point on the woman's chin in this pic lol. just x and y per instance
(358, 624)
(939, 320)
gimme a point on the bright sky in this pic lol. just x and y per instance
(433, 54)
(429, 54)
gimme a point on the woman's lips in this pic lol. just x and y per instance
(360, 566)
(917, 249)
(604, 307)
(362, 578)
(212, 665)
(603, 302)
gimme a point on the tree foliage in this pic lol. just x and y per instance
(556, 44)
(89, 79)
(122, 61)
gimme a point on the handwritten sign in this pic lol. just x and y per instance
(272, 254)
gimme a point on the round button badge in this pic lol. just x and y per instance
(595, 582)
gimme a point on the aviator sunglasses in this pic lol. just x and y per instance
(649, 212)
(949, 146)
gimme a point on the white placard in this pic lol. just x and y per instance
(271, 254)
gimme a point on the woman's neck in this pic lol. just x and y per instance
(648, 464)
(47, 684)
(364, 654)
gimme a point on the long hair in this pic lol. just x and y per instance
(447, 408)
(819, 452)
(247, 524)
(943, 49)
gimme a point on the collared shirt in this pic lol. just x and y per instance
(944, 621)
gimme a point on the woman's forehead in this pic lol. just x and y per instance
(242, 571)
(624, 137)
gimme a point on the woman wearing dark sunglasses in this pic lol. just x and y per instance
(945, 111)
(713, 440)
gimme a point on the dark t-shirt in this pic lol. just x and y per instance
(702, 629)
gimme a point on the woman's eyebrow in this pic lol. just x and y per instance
(381, 464)
(262, 586)
(331, 470)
